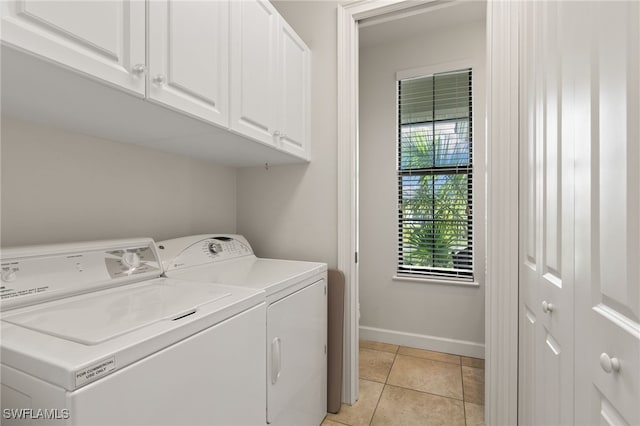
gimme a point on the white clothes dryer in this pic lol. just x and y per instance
(92, 334)
(296, 294)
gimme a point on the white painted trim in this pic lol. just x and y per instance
(501, 290)
(359, 10)
(347, 120)
(435, 281)
(501, 299)
(417, 9)
(421, 341)
(435, 69)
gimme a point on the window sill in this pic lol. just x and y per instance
(435, 281)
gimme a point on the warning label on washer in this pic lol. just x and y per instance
(94, 371)
(9, 293)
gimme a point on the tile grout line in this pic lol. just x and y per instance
(335, 421)
(464, 406)
(431, 359)
(459, 362)
(426, 393)
(395, 356)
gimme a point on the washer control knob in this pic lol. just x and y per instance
(131, 260)
(8, 276)
(215, 248)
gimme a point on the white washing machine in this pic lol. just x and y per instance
(296, 316)
(92, 334)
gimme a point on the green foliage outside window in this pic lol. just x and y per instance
(435, 205)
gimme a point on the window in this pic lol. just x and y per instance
(435, 157)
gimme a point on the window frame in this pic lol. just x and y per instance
(474, 277)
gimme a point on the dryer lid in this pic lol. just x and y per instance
(91, 319)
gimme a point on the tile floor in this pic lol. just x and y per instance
(406, 386)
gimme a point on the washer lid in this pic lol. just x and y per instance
(99, 317)
(271, 275)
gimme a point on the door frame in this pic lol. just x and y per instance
(502, 146)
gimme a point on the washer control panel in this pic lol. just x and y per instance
(130, 261)
(35, 274)
(202, 249)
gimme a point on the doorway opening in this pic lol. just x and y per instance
(502, 196)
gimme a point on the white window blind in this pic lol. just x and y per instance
(435, 188)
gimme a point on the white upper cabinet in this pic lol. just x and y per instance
(235, 71)
(101, 39)
(189, 57)
(270, 78)
(253, 65)
(294, 82)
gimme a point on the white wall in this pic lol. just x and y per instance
(291, 211)
(422, 314)
(59, 186)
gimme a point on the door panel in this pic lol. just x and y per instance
(607, 252)
(527, 382)
(609, 416)
(102, 39)
(546, 206)
(528, 208)
(94, 30)
(551, 385)
(189, 57)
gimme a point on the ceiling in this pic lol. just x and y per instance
(386, 29)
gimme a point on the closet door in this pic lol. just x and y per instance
(580, 210)
(606, 70)
(546, 221)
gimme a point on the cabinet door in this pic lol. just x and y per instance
(253, 74)
(189, 57)
(102, 39)
(296, 357)
(294, 83)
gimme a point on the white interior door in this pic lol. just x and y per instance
(546, 211)
(189, 57)
(580, 209)
(606, 51)
(102, 39)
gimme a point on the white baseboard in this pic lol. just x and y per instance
(421, 341)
